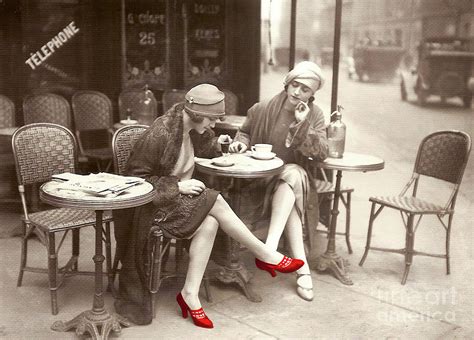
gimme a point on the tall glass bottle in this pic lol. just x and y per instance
(147, 108)
(337, 135)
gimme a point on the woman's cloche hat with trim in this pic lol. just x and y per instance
(205, 100)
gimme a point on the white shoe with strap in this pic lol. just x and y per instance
(304, 286)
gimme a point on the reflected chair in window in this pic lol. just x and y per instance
(47, 108)
(93, 125)
(7, 112)
(138, 104)
(122, 144)
(171, 97)
(40, 151)
(7, 164)
(326, 190)
(442, 157)
(231, 103)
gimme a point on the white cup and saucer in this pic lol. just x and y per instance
(262, 151)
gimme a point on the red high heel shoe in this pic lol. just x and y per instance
(200, 318)
(286, 265)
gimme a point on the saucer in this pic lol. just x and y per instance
(220, 161)
(263, 155)
(129, 121)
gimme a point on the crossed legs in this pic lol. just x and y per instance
(220, 215)
(284, 217)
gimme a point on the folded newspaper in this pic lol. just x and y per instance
(102, 184)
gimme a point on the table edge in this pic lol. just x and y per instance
(228, 173)
(113, 204)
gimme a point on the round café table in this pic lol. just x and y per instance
(350, 161)
(245, 167)
(98, 322)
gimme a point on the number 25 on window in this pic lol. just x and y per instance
(147, 38)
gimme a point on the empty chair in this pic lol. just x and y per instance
(442, 157)
(47, 108)
(171, 97)
(42, 150)
(140, 105)
(93, 114)
(122, 145)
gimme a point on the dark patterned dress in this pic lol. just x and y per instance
(156, 157)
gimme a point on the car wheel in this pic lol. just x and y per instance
(403, 91)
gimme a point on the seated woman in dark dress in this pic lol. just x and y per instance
(183, 207)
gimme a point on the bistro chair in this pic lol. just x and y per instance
(122, 145)
(171, 97)
(442, 157)
(326, 190)
(47, 108)
(93, 114)
(40, 151)
(7, 112)
(133, 102)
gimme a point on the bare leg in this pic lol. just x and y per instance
(294, 234)
(232, 225)
(199, 252)
(282, 204)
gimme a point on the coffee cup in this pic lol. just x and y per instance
(262, 148)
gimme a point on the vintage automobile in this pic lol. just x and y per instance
(377, 63)
(444, 69)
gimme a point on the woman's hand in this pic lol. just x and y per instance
(301, 111)
(224, 139)
(191, 187)
(237, 147)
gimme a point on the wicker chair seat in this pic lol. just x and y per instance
(326, 187)
(65, 218)
(409, 204)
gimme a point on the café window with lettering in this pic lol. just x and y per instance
(205, 40)
(146, 48)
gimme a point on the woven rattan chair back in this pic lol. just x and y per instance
(47, 108)
(92, 110)
(443, 155)
(171, 97)
(7, 112)
(122, 145)
(231, 103)
(42, 150)
(131, 101)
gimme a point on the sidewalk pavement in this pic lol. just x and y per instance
(432, 305)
